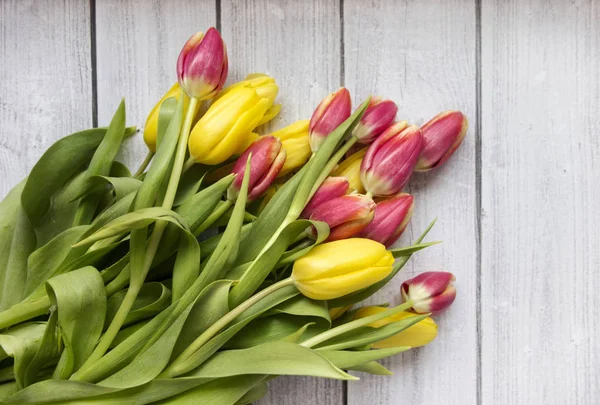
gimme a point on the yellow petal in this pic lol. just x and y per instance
(151, 126)
(350, 169)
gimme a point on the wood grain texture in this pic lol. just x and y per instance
(423, 56)
(540, 301)
(138, 42)
(298, 43)
(45, 80)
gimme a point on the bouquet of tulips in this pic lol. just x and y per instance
(228, 259)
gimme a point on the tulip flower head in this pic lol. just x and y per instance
(331, 188)
(267, 160)
(442, 135)
(330, 113)
(379, 115)
(417, 335)
(294, 139)
(430, 292)
(265, 86)
(392, 215)
(202, 65)
(334, 269)
(151, 127)
(229, 121)
(390, 160)
(346, 216)
(350, 169)
(335, 313)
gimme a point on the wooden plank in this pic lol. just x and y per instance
(45, 80)
(423, 56)
(299, 44)
(540, 306)
(138, 42)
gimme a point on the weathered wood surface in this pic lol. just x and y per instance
(516, 204)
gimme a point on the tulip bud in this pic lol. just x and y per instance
(223, 130)
(202, 65)
(431, 291)
(379, 115)
(391, 217)
(346, 216)
(265, 86)
(151, 127)
(334, 269)
(441, 137)
(294, 139)
(247, 141)
(331, 188)
(390, 160)
(330, 113)
(267, 160)
(417, 335)
(350, 169)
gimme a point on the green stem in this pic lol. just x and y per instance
(135, 287)
(244, 290)
(188, 164)
(119, 282)
(347, 327)
(24, 311)
(144, 164)
(369, 194)
(179, 367)
(212, 218)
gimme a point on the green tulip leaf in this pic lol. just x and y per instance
(152, 299)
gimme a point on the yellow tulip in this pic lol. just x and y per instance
(294, 139)
(335, 313)
(151, 127)
(350, 169)
(248, 140)
(334, 269)
(417, 335)
(223, 130)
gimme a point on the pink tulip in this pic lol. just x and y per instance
(392, 215)
(267, 160)
(330, 113)
(431, 291)
(390, 160)
(346, 216)
(380, 114)
(441, 137)
(202, 65)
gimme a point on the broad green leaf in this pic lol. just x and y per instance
(47, 351)
(75, 294)
(15, 276)
(118, 169)
(9, 212)
(101, 163)
(260, 268)
(21, 343)
(7, 389)
(211, 306)
(122, 186)
(152, 299)
(269, 219)
(278, 358)
(187, 264)
(409, 250)
(365, 293)
(256, 393)
(350, 360)
(133, 220)
(207, 350)
(45, 260)
(209, 245)
(372, 367)
(189, 184)
(60, 162)
(224, 391)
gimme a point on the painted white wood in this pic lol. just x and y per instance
(138, 42)
(423, 56)
(45, 80)
(298, 43)
(540, 171)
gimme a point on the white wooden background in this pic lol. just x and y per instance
(517, 204)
